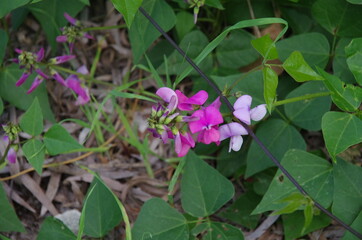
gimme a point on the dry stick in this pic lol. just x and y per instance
(251, 133)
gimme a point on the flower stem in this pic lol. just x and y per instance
(301, 98)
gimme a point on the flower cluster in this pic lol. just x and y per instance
(185, 119)
(34, 62)
(11, 133)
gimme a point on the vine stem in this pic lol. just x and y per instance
(301, 98)
(251, 133)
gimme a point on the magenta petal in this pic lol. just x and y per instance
(83, 70)
(62, 59)
(6, 140)
(182, 99)
(40, 55)
(40, 72)
(11, 155)
(199, 98)
(18, 51)
(235, 143)
(62, 38)
(166, 93)
(22, 79)
(211, 135)
(35, 84)
(243, 102)
(213, 116)
(258, 112)
(197, 126)
(70, 19)
(216, 104)
(59, 78)
(243, 115)
(71, 47)
(178, 144)
(88, 36)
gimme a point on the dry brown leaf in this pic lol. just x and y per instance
(19, 200)
(52, 189)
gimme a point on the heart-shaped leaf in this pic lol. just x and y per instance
(32, 121)
(34, 151)
(54, 229)
(127, 8)
(270, 86)
(203, 189)
(266, 47)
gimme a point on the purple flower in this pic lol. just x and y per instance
(11, 155)
(243, 111)
(233, 131)
(169, 96)
(61, 59)
(186, 104)
(74, 83)
(183, 143)
(207, 124)
(37, 81)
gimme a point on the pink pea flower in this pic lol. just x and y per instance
(243, 111)
(11, 156)
(233, 131)
(207, 124)
(71, 33)
(183, 143)
(168, 95)
(74, 83)
(186, 104)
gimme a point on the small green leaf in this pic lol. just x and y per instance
(9, 222)
(308, 216)
(308, 113)
(57, 140)
(279, 137)
(357, 225)
(32, 120)
(3, 44)
(158, 220)
(34, 151)
(127, 8)
(354, 64)
(102, 213)
(54, 229)
(270, 86)
(17, 95)
(340, 67)
(184, 23)
(347, 197)
(203, 189)
(8, 5)
(293, 227)
(354, 46)
(266, 47)
(299, 69)
(340, 131)
(345, 96)
(222, 231)
(142, 33)
(313, 173)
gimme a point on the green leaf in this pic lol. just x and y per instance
(239, 212)
(340, 67)
(354, 46)
(338, 17)
(50, 14)
(32, 120)
(270, 87)
(354, 64)
(3, 43)
(347, 198)
(193, 43)
(102, 213)
(57, 140)
(54, 229)
(308, 113)
(159, 221)
(8, 5)
(142, 33)
(236, 50)
(266, 47)
(278, 136)
(17, 95)
(203, 189)
(345, 96)
(340, 131)
(222, 231)
(34, 151)
(127, 8)
(355, 1)
(313, 46)
(357, 225)
(184, 23)
(293, 227)
(313, 173)
(298, 68)
(9, 222)
(212, 45)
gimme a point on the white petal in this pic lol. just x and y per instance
(237, 129)
(258, 112)
(243, 114)
(235, 143)
(224, 131)
(166, 93)
(243, 102)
